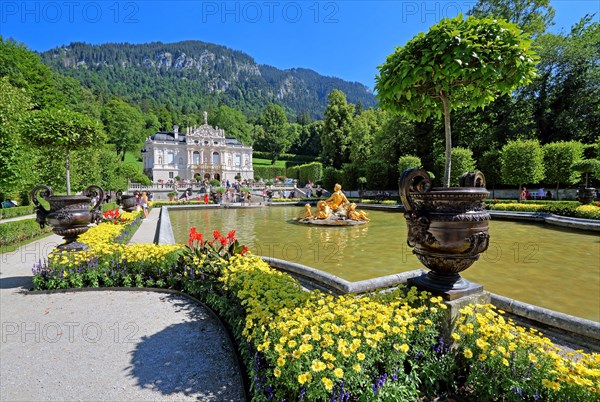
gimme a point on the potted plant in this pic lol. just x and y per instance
(457, 63)
(587, 167)
(172, 195)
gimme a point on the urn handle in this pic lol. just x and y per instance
(119, 196)
(413, 180)
(44, 192)
(95, 191)
(472, 179)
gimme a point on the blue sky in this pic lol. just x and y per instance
(347, 39)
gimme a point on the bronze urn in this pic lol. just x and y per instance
(448, 229)
(69, 215)
(128, 202)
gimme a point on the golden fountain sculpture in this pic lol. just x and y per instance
(334, 211)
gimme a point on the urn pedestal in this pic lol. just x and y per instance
(448, 229)
(69, 215)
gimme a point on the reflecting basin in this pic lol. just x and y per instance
(551, 267)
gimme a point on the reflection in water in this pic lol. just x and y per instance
(542, 265)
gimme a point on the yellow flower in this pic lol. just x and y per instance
(356, 367)
(505, 362)
(455, 336)
(280, 361)
(404, 347)
(328, 383)
(360, 356)
(277, 372)
(468, 354)
(532, 358)
(317, 366)
(302, 378)
(338, 372)
(482, 357)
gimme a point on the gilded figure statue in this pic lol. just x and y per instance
(323, 210)
(334, 211)
(356, 215)
(307, 213)
(337, 199)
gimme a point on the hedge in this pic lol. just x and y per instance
(284, 157)
(310, 171)
(17, 231)
(14, 212)
(269, 172)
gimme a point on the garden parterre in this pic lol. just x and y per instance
(300, 345)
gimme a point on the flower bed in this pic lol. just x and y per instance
(311, 346)
(563, 208)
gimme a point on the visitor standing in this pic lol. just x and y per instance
(523, 194)
(144, 202)
(541, 193)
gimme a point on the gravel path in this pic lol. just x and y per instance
(107, 345)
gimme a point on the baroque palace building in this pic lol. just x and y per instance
(200, 153)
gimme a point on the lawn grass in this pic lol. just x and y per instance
(267, 162)
(132, 159)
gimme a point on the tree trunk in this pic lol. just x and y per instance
(68, 168)
(448, 134)
(557, 187)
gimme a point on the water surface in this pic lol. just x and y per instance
(539, 264)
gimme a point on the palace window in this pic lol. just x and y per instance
(216, 158)
(196, 158)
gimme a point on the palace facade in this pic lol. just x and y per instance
(200, 153)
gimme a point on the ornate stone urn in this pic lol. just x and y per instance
(586, 195)
(69, 215)
(127, 201)
(448, 228)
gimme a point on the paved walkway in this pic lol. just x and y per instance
(18, 218)
(107, 345)
(147, 230)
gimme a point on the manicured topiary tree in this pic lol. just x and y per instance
(522, 162)
(588, 167)
(559, 158)
(462, 160)
(62, 130)
(458, 63)
(409, 162)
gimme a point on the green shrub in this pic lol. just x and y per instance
(310, 171)
(109, 206)
(17, 231)
(14, 212)
(269, 172)
(331, 176)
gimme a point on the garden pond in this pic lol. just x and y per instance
(550, 267)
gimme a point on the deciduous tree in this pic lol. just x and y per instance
(335, 138)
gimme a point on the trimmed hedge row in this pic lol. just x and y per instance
(14, 212)
(17, 231)
(303, 173)
(268, 172)
(284, 157)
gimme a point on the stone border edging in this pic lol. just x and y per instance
(551, 219)
(211, 312)
(575, 325)
(337, 284)
(164, 230)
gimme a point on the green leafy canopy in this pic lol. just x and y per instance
(470, 62)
